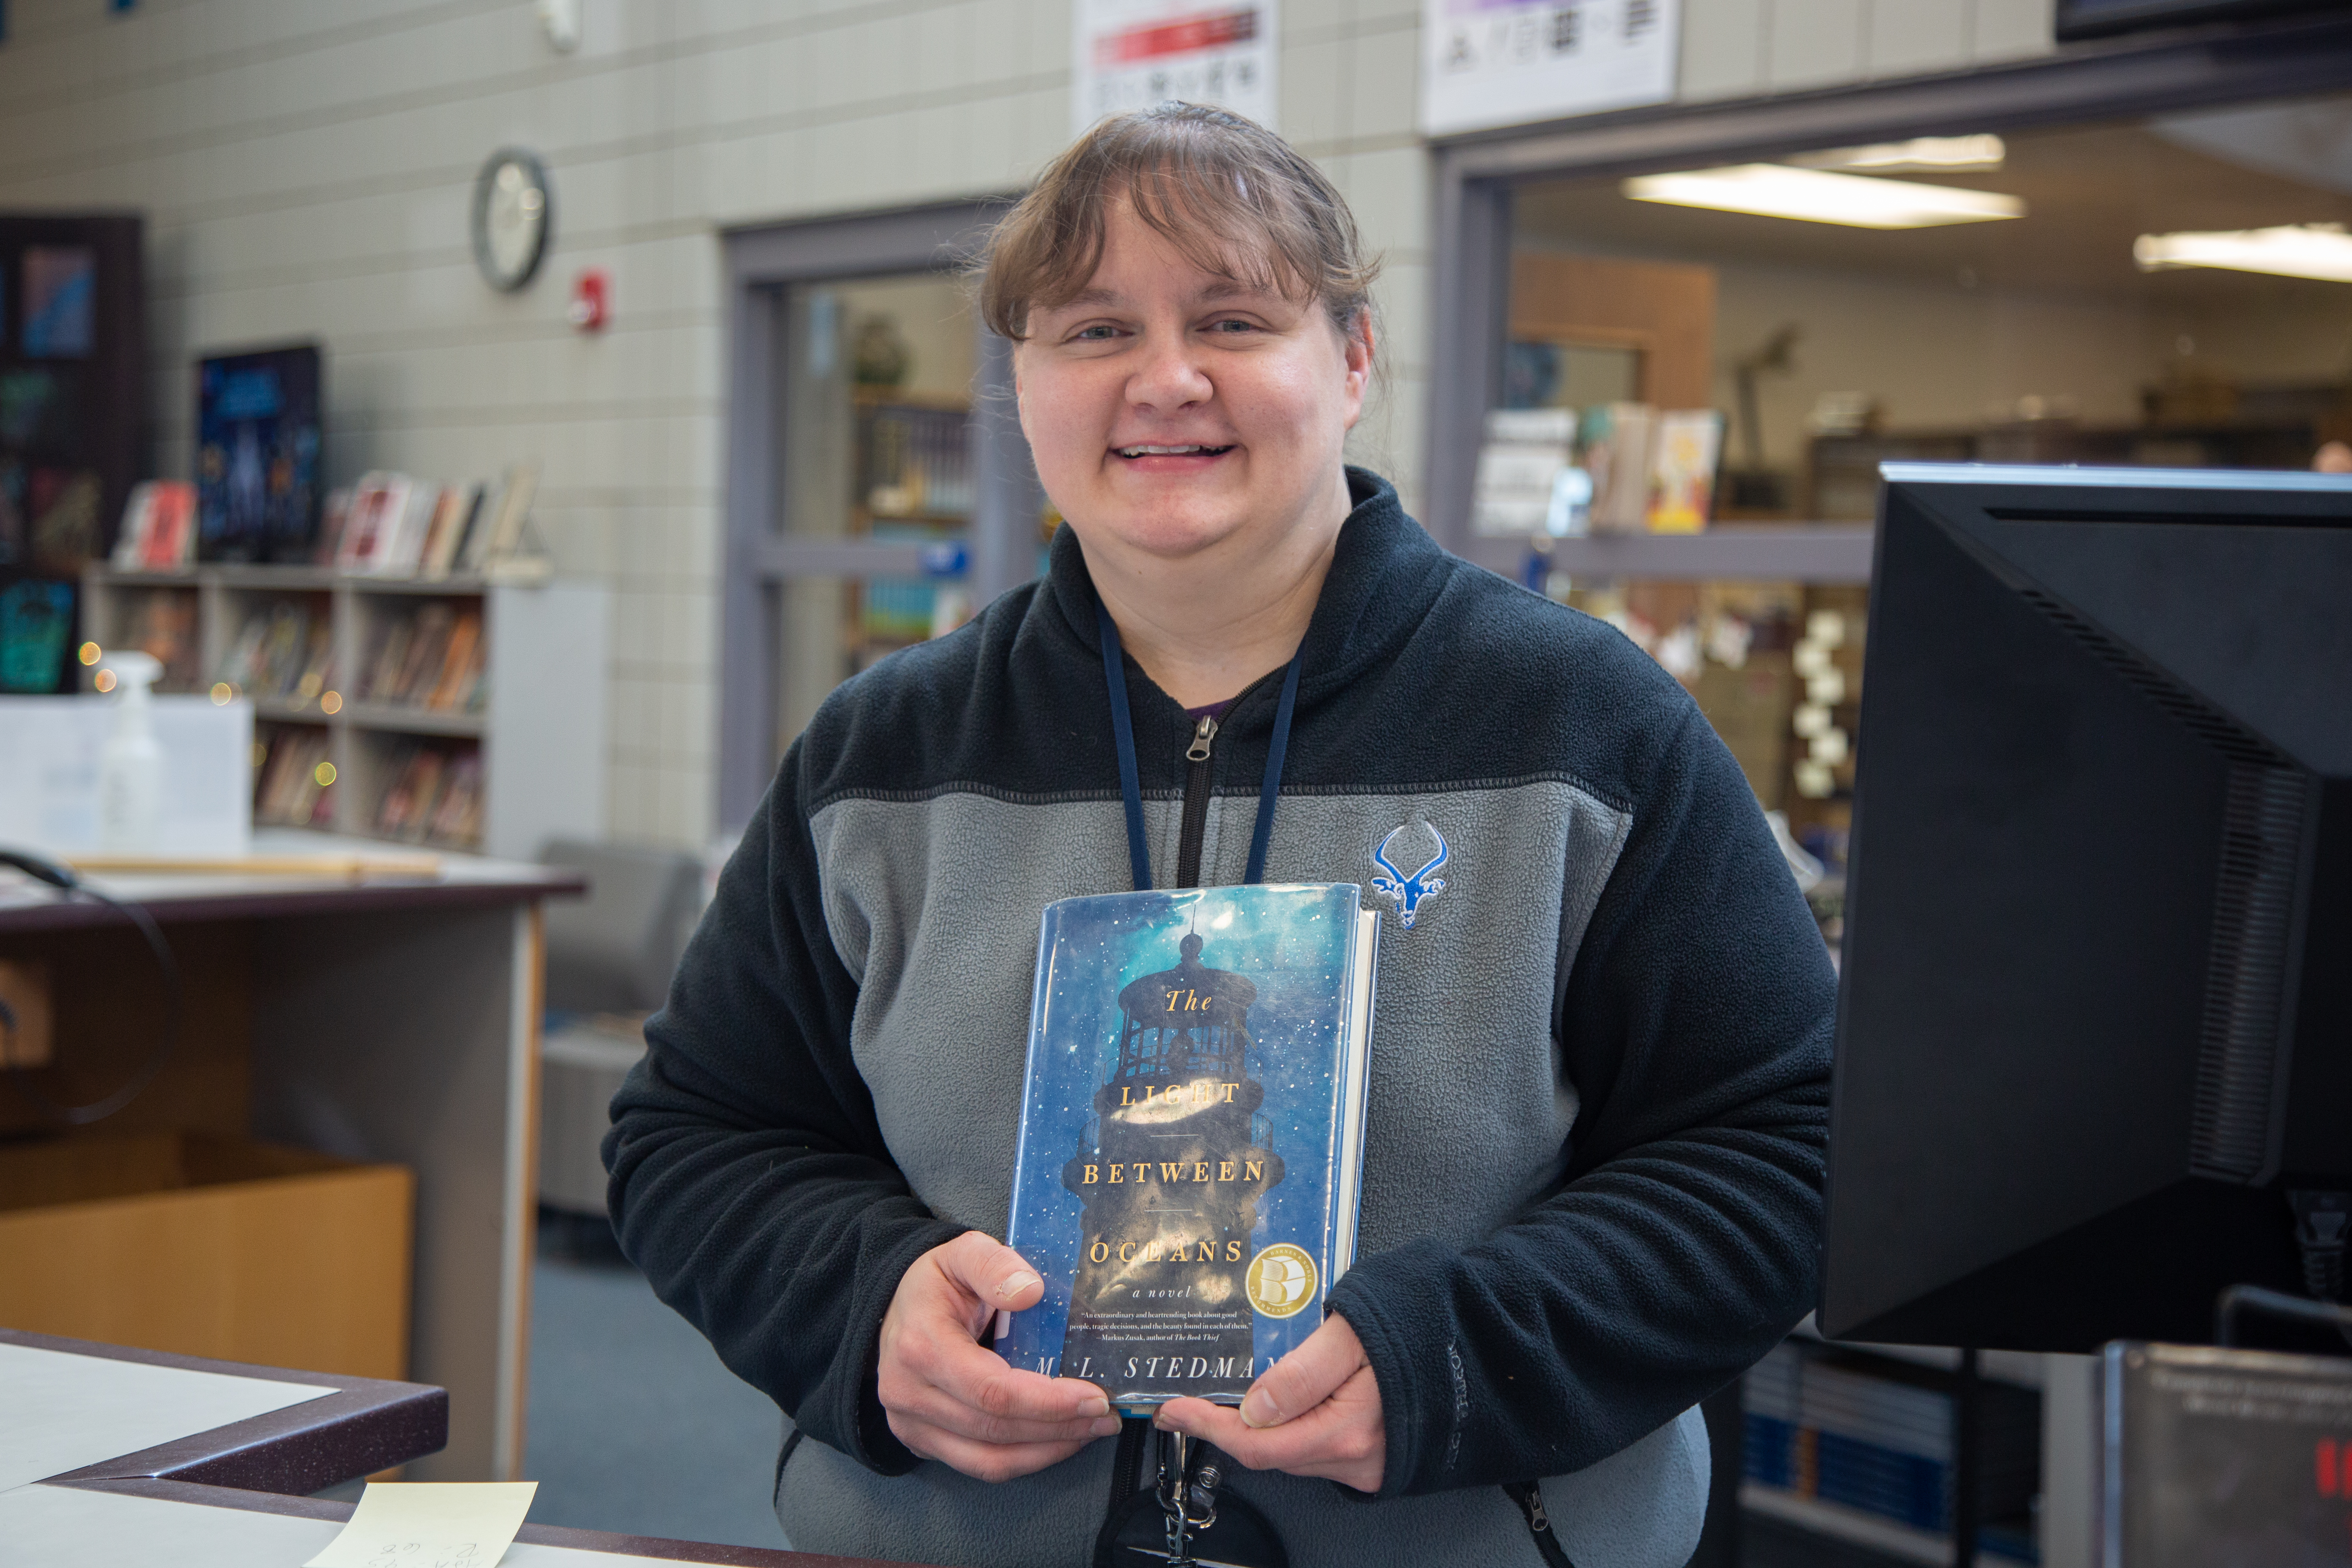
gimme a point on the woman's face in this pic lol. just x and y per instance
(1173, 410)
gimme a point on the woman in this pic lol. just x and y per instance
(1600, 1061)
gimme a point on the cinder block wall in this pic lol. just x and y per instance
(306, 169)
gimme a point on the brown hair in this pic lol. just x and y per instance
(1224, 190)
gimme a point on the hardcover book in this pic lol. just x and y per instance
(1192, 1133)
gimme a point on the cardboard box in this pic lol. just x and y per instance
(210, 1247)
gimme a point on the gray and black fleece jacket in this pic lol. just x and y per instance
(1600, 1064)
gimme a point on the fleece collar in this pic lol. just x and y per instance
(1385, 575)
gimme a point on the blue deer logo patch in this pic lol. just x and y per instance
(1407, 892)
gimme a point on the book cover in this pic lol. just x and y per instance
(170, 538)
(460, 504)
(1618, 457)
(1192, 1133)
(378, 500)
(1681, 470)
(502, 536)
(428, 646)
(452, 682)
(259, 434)
(403, 546)
(337, 513)
(137, 523)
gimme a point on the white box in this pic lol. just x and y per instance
(48, 773)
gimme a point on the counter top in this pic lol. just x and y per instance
(218, 1497)
(172, 897)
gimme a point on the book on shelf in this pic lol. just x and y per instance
(379, 507)
(426, 646)
(165, 629)
(1681, 470)
(433, 656)
(459, 505)
(282, 653)
(1520, 465)
(460, 662)
(293, 785)
(332, 517)
(435, 794)
(1192, 1133)
(457, 815)
(501, 537)
(159, 527)
(1883, 1444)
(405, 551)
(407, 804)
(1614, 441)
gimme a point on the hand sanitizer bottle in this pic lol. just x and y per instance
(131, 763)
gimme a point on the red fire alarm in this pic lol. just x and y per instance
(592, 300)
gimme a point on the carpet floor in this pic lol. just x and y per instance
(634, 1426)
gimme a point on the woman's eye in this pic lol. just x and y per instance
(1233, 328)
(1098, 332)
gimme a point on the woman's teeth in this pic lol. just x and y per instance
(1168, 451)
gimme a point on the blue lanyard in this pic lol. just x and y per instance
(1122, 727)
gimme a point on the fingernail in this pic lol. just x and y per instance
(1106, 1427)
(1258, 1409)
(1014, 1285)
(1098, 1405)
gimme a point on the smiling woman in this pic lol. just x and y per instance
(1598, 1072)
(1193, 315)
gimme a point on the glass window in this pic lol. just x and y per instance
(878, 379)
(2173, 290)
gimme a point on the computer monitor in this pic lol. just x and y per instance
(2095, 1012)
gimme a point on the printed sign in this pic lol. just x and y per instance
(1132, 54)
(1514, 62)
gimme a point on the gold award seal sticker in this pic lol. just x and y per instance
(1281, 1281)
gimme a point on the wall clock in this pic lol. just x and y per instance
(513, 212)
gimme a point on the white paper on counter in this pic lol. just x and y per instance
(464, 1524)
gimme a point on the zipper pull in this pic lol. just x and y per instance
(1202, 733)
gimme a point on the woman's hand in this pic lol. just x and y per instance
(1315, 1412)
(950, 1399)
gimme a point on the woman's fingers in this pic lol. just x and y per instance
(1341, 1439)
(1009, 1407)
(949, 1398)
(941, 1376)
(982, 1461)
(1307, 1376)
(993, 1273)
(1315, 1412)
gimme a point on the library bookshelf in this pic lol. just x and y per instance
(528, 721)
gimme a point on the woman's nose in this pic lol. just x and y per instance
(1168, 377)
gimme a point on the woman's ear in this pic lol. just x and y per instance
(1357, 345)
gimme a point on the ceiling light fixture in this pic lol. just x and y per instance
(1815, 196)
(2321, 250)
(1942, 154)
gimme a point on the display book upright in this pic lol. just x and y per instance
(1190, 1148)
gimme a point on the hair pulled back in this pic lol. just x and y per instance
(1233, 198)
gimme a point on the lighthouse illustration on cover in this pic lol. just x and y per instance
(1179, 1163)
(1190, 1136)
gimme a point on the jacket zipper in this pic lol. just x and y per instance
(1196, 785)
(1196, 802)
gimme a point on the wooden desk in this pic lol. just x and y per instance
(393, 1021)
(215, 1496)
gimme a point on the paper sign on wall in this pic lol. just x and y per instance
(1133, 54)
(1514, 62)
